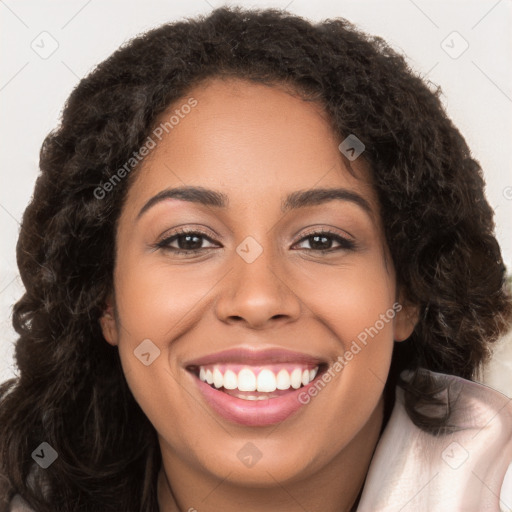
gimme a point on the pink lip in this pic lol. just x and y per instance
(255, 357)
(252, 413)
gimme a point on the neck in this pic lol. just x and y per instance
(334, 488)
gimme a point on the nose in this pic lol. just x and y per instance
(257, 294)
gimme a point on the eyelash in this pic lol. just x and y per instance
(345, 243)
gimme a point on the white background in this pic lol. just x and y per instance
(477, 91)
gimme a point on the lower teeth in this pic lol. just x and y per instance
(260, 396)
(252, 397)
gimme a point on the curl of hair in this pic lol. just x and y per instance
(71, 391)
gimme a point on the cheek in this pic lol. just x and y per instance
(158, 304)
(356, 304)
(352, 299)
(156, 301)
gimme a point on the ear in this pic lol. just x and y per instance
(108, 323)
(406, 318)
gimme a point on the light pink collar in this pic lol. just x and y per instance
(413, 471)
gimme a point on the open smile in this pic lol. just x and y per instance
(255, 388)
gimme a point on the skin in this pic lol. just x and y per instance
(256, 144)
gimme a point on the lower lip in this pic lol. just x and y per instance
(252, 413)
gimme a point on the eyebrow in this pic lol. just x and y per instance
(295, 200)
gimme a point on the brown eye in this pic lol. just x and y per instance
(187, 242)
(322, 241)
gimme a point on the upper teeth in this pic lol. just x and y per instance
(266, 380)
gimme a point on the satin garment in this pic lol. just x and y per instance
(469, 470)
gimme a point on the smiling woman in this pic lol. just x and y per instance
(279, 308)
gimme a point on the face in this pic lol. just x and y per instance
(258, 287)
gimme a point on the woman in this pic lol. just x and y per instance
(260, 273)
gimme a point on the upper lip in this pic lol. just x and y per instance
(243, 355)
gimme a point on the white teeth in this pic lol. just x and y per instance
(230, 380)
(283, 380)
(218, 379)
(296, 378)
(246, 380)
(266, 381)
(253, 397)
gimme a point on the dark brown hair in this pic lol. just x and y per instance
(71, 391)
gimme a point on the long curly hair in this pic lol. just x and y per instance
(71, 391)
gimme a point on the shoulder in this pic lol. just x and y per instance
(461, 470)
(35, 478)
(18, 504)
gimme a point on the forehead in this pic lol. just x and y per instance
(252, 140)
